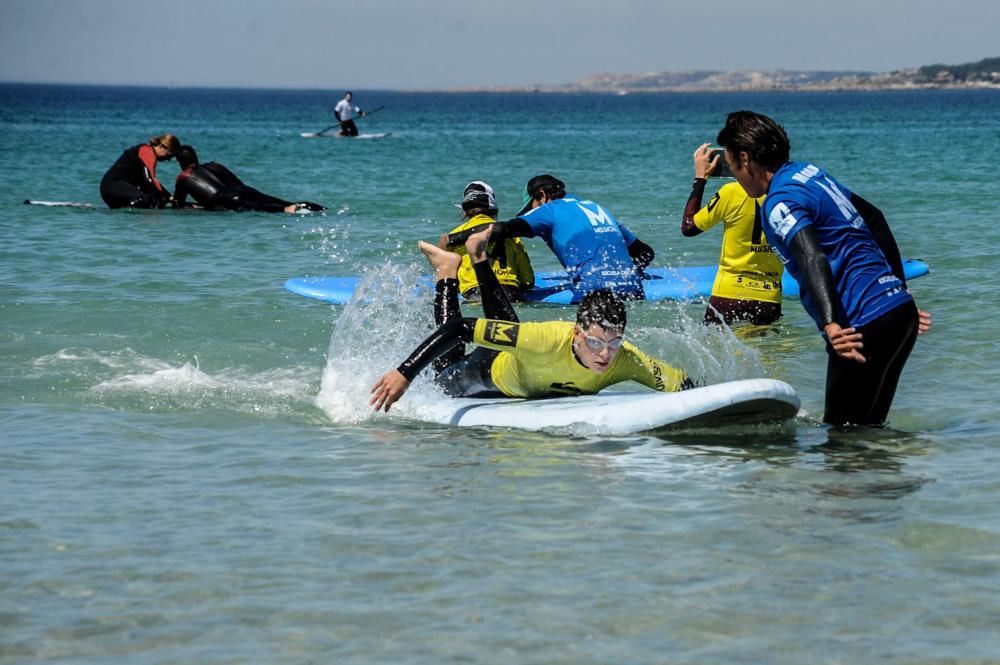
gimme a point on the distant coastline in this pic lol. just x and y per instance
(982, 74)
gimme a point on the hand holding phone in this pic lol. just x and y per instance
(721, 169)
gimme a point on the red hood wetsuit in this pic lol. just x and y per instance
(131, 181)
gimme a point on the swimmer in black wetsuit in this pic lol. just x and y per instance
(131, 181)
(214, 187)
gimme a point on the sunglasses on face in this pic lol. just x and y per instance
(598, 344)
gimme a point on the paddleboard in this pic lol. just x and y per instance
(618, 412)
(334, 135)
(58, 204)
(687, 283)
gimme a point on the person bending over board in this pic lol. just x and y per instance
(840, 249)
(747, 285)
(131, 181)
(509, 260)
(214, 187)
(512, 359)
(344, 113)
(596, 251)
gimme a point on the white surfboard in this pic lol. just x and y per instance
(334, 135)
(619, 412)
(58, 204)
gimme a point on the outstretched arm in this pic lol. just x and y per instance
(499, 231)
(394, 383)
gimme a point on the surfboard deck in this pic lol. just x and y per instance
(745, 401)
(334, 135)
(688, 283)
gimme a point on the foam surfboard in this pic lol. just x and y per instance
(618, 412)
(58, 204)
(687, 283)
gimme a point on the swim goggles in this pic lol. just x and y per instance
(598, 344)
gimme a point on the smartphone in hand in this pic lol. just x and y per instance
(721, 169)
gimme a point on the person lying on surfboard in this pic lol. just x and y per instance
(512, 359)
(214, 187)
(509, 260)
(596, 251)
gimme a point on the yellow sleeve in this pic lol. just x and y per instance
(710, 214)
(652, 372)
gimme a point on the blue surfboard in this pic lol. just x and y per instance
(689, 283)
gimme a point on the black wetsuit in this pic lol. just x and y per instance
(131, 181)
(215, 187)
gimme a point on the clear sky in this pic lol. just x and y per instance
(420, 44)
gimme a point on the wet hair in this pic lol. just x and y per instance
(602, 307)
(168, 141)
(472, 212)
(186, 156)
(763, 139)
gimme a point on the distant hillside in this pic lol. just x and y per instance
(982, 74)
(987, 70)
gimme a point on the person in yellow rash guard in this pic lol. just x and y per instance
(747, 285)
(510, 263)
(512, 359)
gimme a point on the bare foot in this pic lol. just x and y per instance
(445, 263)
(477, 243)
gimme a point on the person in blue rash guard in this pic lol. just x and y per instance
(596, 251)
(839, 248)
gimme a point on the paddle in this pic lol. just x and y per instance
(367, 113)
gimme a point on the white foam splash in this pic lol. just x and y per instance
(389, 315)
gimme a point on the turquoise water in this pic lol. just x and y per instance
(189, 472)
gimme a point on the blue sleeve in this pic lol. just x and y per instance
(627, 234)
(541, 220)
(786, 216)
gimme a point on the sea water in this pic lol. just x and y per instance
(189, 471)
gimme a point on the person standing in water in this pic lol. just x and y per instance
(747, 285)
(839, 248)
(345, 112)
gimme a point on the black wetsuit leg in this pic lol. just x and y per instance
(496, 304)
(470, 376)
(243, 198)
(861, 393)
(348, 128)
(446, 308)
(121, 194)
